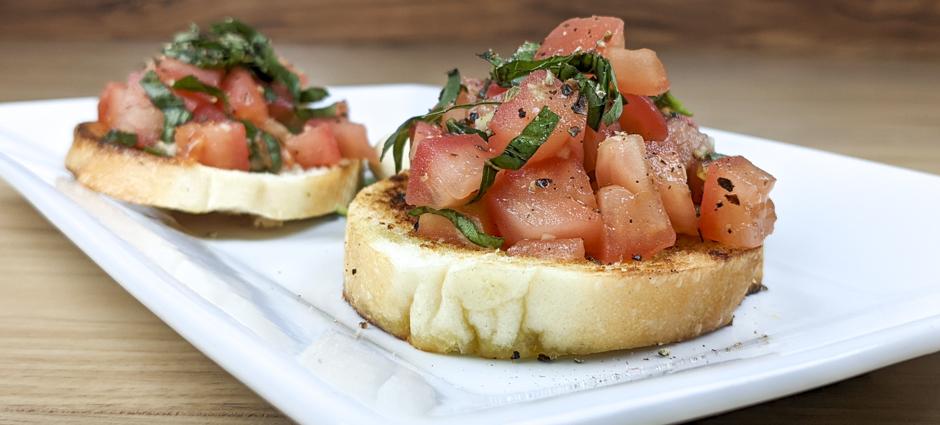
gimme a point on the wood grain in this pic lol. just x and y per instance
(76, 348)
(879, 28)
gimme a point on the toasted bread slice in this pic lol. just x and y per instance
(141, 178)
(451, 299)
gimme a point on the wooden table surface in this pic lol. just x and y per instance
(76, 348)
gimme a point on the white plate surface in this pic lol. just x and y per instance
(851, 272)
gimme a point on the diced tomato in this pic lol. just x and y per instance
(621, 161)
(438, 228)
(208, 112)
(670, 178)
(127, 108)
(594, 138)
(548, 199)
(538, 90)
(316, 146)
(596, 33)
(446, 170)
(641, 116)
(353, 141)
(282, 107)
(736, 207)
(494, 90)
(691, 144)
(245, 96)
(638, 71)
(421, 130)
(220, 145)
(171, 70)
(635, 225)
(556, 249)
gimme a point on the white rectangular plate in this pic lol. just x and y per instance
(851, 272)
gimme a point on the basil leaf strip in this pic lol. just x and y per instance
(331, 111)
(191, 83)
(489, 176)
(524, 52)
(396, 142)
(174, 110)
(457, 127)
(264, 151)
(603, 100)
(466, 226)
(313, 94)
(450, 91)
(669, 103)
(119, 137)
(232, 43)
(519, 150)
(523, 146)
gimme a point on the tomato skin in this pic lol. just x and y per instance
(538, 90)
(315, 146)
(592, 139)
(635, 225)
(421, 131)
(494, 90)
(671, 181)
(549, 199)
(596, 33)
(216, 144)
(571, 249)
(446, 170)
(245, 96)
(354, 141)
(641, 116)
(621, 161)
(208, 112)
(171, 70)
(638, 71)
(282, 107)
(736, 208)
(126, 107)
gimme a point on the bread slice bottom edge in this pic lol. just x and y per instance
(138, 177)
(449, 299)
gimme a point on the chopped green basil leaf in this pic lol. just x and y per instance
(668, 103)
(313, 94)
(158, 150)
(712, 156)
(191, 83)
(342, 210)
(119, 137)
(269, 95)
(524, 52)
(331, 111)
(523, 146)
(463, 224)
(174, 110)
(489, 176)
(458, 127)
(450, 91)
(232, 43)
(602, 99)
(264, 151)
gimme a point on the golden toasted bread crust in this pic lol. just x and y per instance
(138, 177)
(450, 299)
